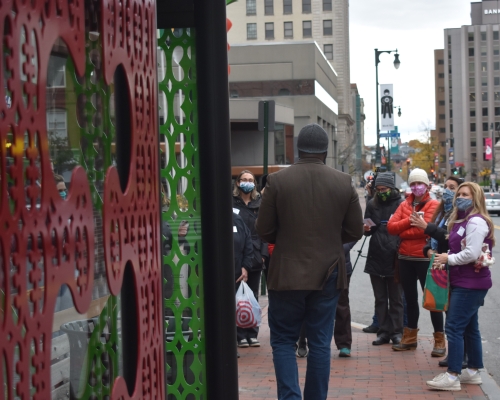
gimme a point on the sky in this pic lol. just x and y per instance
(415, 28)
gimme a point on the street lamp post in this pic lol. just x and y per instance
(493, 142)
(389, 138)
(397, 63)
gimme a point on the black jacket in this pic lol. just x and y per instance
(249, 212)
(439, 234)
(383, 246)
(243, 248)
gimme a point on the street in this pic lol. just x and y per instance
(361, 296)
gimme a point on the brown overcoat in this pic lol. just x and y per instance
(308, 211)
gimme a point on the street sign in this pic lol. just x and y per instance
(390, 135)
(261, 122)
(451, 156)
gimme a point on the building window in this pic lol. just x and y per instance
(484, 96)
(496, 51)
(251, 31)
(441, 75)
(485, 126)
(269, 7)
(497, 126)
(251, 7)
(484, 51)
(484, 81)
(471, 52)
(440, 62)
(288, 30)
(471, 67)
(234, 94)
(473, 127)
(287, 6)
(485, 111)
(327, 27)
(284, 92)
(473, 143)
(497, 96)
(471, 36)
(442, 116)
(497, 111)
(472, 96)
(56, 122)
(442, 130)
(495, 35)
(496, 80)
(56, 72)
(472, 112)
(483, 67)
(451, 128)
(327, 5)
(269, 30)
(483, 36)
(441, 102)
(451, 113)
(328, 50)
(306, 29)
(306, 6)
(496, 65)
(472, 82)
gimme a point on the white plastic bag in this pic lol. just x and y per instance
(248, 312)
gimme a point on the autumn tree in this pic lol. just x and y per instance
(425, 149)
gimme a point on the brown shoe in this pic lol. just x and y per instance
(439, 349)
(408, 341)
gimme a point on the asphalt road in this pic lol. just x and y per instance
(362, 301)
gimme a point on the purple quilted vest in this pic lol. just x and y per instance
(465, 276)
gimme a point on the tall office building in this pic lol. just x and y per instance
(324, 21)
(472, 87)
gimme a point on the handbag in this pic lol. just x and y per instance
(437, 288)
(248, 311)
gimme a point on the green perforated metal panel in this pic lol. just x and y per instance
(181, 223)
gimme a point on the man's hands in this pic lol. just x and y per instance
(244, 276)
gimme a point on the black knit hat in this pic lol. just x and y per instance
(312, 139)
(385, 179)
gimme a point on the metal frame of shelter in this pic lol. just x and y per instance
(116, 280)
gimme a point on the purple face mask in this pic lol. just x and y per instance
(419, 189)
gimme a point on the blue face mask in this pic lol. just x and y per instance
(463, 204)
(63, 194)
(448, 199)
(247, 187)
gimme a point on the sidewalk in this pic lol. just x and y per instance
(373, 372)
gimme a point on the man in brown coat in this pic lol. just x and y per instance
(308, 211)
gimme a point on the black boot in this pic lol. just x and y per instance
(443, 362)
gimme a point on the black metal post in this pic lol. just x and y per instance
(377, 150)
(266, 136)
(216, 204)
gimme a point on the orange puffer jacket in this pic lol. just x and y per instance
(413, 239)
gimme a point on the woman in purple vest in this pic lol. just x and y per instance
(470, 227)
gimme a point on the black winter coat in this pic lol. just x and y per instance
(383, 246)
(243, 248)
(438, 233)
(249, 212)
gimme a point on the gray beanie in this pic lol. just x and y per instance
(312, 139)
(418, 175)
(385, 179)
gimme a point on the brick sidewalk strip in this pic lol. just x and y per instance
(373, 372)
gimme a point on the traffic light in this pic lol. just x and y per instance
(400, 169)
(432, 171)
(454, 171)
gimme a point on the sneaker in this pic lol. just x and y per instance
(301, 351)
(345, 352)
(242, 343)
(474, 379)
(254, 342)
(444, 382)
(371, 329)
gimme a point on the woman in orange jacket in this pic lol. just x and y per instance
(412, 264)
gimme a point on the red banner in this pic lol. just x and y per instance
(488, 149)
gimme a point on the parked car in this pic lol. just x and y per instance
(493, 203)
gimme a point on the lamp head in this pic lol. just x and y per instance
(397, 63)
(399, 111)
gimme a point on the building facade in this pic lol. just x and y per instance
(300, 80)
(472, 87)
(439, 134)
(323, 21)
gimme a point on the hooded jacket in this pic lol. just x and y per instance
(383, 246)
(413, 239)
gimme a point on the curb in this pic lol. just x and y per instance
(489, 386)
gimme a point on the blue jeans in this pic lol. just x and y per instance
(288, 309)
(462, 324)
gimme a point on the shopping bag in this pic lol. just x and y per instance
(437, 289)
(248, 312)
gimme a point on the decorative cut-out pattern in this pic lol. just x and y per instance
(45, 241)
(181, 217)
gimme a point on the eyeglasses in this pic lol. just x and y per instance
(247, 180)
